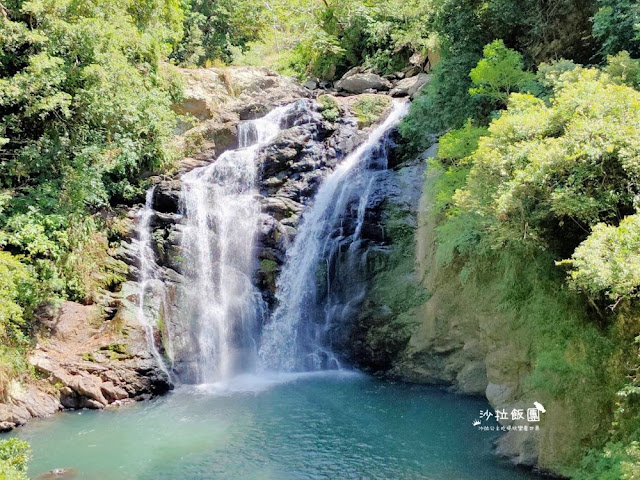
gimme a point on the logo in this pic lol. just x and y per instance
(501, 415)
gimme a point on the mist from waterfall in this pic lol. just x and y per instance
(221, 209)
(296, 336)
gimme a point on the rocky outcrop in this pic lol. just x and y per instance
(216, 99)
(84, 361)
(248, 92)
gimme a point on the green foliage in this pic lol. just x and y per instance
(324, 39)
(547, 174)
(616, 462)
(214, 29)
(369, 108)
(445, 103)
(623, 69)
(616, 25)
(329, 108)
(551, 76)
(459, 144)
(83, 98)
(552, 178)
(608, 261)
(18, 296)
(86, 107)
(14, 457)
(541, 30)
(499, 73)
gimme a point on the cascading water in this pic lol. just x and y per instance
(295, 338)
(220, 312)
(148, 278)
(221, 209)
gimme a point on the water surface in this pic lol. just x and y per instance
(279, 427)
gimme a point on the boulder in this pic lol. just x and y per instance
(422, 80)
(280, 207)
(57, 473)
(311, 84)
(418, 59)
(359, 83)
(113, 392)
(409, 86)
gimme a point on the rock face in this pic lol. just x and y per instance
(217, 99)
(85, 361)
(440, 337)
(248, 92)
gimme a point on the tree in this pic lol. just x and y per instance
(214, 28)
(499, 73)
(548, 174)
(617, 25)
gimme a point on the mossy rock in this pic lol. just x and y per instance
(329, 107)
(368, 109)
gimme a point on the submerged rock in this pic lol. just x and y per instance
(58, 473)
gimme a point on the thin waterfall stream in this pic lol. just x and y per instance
(148, 278)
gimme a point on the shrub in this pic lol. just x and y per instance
(14, 457)
(607, 263)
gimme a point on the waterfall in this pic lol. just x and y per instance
(295, 337)
(148, 278)
(221, 208)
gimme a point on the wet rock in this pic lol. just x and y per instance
(166, 196)
(280, 207)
